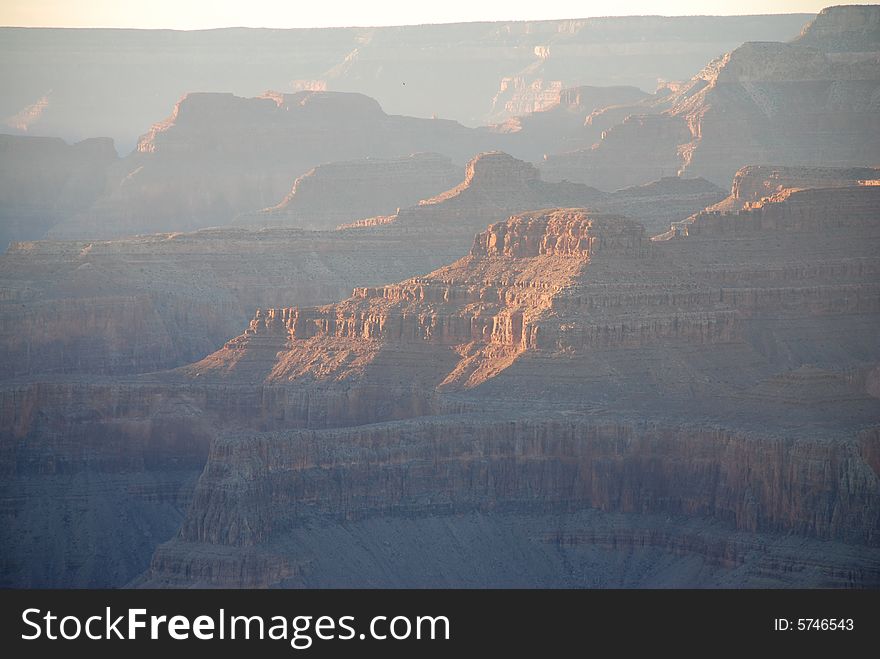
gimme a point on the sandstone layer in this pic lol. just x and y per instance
(68, 306)
(754, 183)
(714, 389)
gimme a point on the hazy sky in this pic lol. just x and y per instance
(196, 14)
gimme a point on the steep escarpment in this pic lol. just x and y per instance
(220, 155)
(811, 210)
(570, 282)
(843, 29)
(484, 464)
(340, 193)
(551, 307)
(490, 299)
(94, 475)
(258, 492)
(43, 180)
(67, 306)
(795, 104)
(718, 380)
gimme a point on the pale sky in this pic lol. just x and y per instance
(201, 14)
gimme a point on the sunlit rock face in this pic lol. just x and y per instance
(69, 305)
(649, 363)
(400, 411)
(753, 183)
(546, 307)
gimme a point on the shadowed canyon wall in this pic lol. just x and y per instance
(809, 102)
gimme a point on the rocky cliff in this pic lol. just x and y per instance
(93, 476)
(704, 405)
(844, 29)
(795, 104)
(755, 182)
(550, 307)
(67, 306)
(530, 482)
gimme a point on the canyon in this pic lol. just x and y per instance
(144, 72)
(221, 159)
(546, 306)
(396, 414)
(598, 322)
(67, 306)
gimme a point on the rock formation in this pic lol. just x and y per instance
(547, 306)
(849, 29)
(67, 306)
(497, 185)
(341, 193)
(790, 104)
(451, 71)
(220, 155)
(753, 183)
(702, 404)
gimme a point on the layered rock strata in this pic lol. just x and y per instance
(754, 183)
(551, 307)
(721, 380)
(806, 103)
(68, 306)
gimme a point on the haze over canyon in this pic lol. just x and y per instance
(575, 303)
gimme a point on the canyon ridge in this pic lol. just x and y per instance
(597, 307)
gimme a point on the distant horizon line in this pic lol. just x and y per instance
(391, 25)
